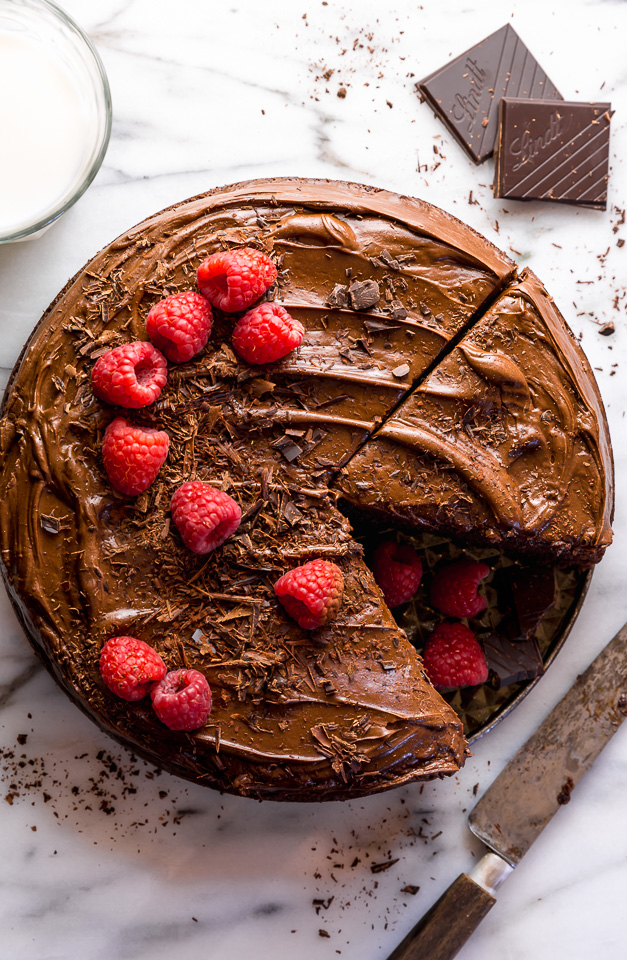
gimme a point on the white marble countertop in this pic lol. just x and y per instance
(102, 857)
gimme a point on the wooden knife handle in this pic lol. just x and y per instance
(446, 927)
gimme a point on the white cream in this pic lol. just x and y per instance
(46, 130)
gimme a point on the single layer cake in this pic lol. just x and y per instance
(384, 286)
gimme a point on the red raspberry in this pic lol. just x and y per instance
(180, 325)
(182, 700)
(267, 333)
(454, 588)
(398, 571)
(132, 375)
(133, 455)
(233, 279)
(453, 657)
(127, 665)
(204, 516)
(311, 594)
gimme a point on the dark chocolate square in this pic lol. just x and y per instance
(466, 92)
(512, 661)
(553, 150)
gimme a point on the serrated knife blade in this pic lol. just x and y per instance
(523, 799)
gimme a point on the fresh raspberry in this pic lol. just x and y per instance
(453, 657)
(133, 455)
(454, 588)
(128, 665)
(182, 700)
(180, 325)
(311, 594)
(132, 375)
(398, 571)
(267, 333)
(204, 516)
(233, 279)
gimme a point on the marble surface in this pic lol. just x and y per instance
(105, 857)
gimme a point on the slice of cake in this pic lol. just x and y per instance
(505, 442)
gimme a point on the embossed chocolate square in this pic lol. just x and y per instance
(553, 150)
(466, 92)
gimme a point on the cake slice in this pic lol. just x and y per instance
(343, 711)
(505, 442)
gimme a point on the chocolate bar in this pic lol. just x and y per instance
(533, 591)
(553, 150)
(466, 92)
(511, 661)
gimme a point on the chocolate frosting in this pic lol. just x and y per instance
(505, 441)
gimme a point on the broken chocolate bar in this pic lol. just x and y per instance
(553, 150)
(466, 92)
(511, 661)
(533, 592)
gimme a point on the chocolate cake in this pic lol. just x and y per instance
(384, 286)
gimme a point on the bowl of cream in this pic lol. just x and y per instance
(55, 115)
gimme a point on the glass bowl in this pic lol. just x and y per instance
(55, 115)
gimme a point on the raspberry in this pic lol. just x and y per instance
(133, 455)
(398, 571)
(311, 594)
(132, 375)
(127, 665)
(180, 325)
(182, 700)
(204, 516)
(266, 333)
(233, 279)
(453, 657)
(454, 588)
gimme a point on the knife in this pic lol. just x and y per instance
(514, 811)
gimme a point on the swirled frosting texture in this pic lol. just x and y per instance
(505, 441)
(344, 711)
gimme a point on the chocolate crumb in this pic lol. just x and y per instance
(338, 296)
(564, 794)
(398, 310)
(363, 294)
(385, 865)
(49, 524)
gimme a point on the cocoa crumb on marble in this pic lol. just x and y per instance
(384, 865)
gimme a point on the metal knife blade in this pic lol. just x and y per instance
(539, 779)
(524, 797)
